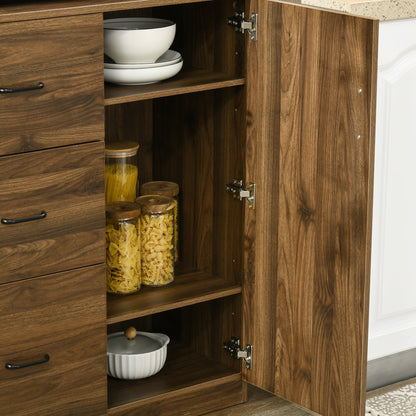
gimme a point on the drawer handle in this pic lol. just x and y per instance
(8, 221)
(19, 89)
(10, 366)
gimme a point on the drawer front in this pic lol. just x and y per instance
(66, 55)
(68, 185)
(63, 316)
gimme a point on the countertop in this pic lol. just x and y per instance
(373, 9)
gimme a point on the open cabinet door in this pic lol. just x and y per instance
(311, 79)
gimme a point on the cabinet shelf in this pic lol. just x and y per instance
(184, 371)
(184, 83)
(187, 289)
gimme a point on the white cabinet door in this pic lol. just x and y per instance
(393, 277)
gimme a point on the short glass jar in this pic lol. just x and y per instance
(170, 189)
(121, 172)
(122, 248)
(156, 239)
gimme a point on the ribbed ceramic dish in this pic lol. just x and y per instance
(138, 358)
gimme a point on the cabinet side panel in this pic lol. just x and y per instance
(308, 285)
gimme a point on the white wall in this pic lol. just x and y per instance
(393, 275)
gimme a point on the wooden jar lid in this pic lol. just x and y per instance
(155, 204)
(160, 188)
(122, 210)
(121, 149)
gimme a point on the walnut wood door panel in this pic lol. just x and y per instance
(306, 292)
(63, 316)
(65, 54)
(68, 185)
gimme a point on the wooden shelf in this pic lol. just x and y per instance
(184, 370)
(12, 11)
(186, 290)
(183, 83)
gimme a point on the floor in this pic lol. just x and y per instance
(261, 403)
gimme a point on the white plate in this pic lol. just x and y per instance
(141, 76)
(168, 58)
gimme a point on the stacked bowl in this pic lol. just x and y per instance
(137, 50)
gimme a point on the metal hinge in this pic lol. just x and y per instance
(236, 189)
(240, 25)
(233, 347)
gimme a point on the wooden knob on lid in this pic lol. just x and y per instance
(130, 332)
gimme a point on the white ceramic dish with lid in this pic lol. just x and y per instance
(134, 40)
(141, 356)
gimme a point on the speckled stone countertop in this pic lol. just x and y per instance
(373, 9)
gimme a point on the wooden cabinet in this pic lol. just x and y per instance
(292, 113)
(58, 317)
(52, 290)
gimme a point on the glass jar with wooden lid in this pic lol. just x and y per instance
(121, 171)
(123, 247)
(156, 239)
(170, 189)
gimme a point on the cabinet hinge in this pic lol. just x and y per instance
(233, 347)
(240, 25)
(237, 191)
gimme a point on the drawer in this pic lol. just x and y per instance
(66, 55)
(68, 185)
(61, 315)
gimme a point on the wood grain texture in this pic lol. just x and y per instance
(186, 289)
(43, 9)
(207, 326)
(310, 272)
(133, 121)
(67, 183)
(66, 55)
(186, 374)
(184, 83)
(62, 315)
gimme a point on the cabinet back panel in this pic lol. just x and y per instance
(203, 37)
(198, 144)
(133, 122)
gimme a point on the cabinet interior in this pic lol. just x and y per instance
(191, 130)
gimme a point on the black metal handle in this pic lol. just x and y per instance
(8, 221)
(19, 89)
(10, 366)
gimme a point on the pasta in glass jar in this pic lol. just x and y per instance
(122, 248)
(156, 239)
(167, 189)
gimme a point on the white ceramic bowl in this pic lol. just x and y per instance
(141, 76)
(138, 358)
(134, 40)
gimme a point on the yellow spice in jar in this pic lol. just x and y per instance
(120, 182)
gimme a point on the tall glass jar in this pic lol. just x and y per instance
(122, 247)
(156, 239)
(121, 171)
(170, 189)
